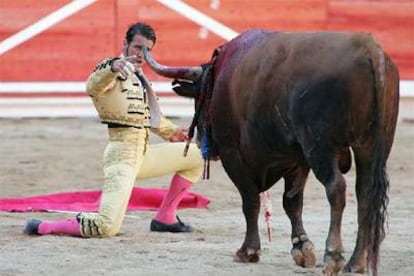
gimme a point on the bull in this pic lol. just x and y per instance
(275, 105)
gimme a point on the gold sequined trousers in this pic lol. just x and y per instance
(129, 156)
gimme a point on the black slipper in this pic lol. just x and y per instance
(178, 227)
(32, 227)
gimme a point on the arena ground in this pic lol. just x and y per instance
(54, 155)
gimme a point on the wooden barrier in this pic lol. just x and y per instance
(72, 36)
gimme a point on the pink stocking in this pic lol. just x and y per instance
(69, 227)
(178, 188)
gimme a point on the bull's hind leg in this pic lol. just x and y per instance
(363, 160)
(303, 249)
(327, 171)
(249, 191)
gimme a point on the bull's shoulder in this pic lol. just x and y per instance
(232, 51)
(249, 37)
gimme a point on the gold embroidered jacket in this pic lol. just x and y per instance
(123, 101)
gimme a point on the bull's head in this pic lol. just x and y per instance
(194, 82)
(187, 80)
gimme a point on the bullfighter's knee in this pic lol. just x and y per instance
(194, 165)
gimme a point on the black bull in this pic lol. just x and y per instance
(277, 105)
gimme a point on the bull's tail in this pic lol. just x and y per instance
(379, 184)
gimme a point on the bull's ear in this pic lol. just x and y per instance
(184, 88)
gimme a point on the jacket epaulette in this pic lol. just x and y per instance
(105, 63)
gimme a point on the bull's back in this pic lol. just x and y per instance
(309, 82)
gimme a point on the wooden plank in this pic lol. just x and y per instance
(289, 15)
(66, 51)
(17, 15)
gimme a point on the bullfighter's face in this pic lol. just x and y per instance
(135, 47)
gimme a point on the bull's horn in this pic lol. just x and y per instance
(187, 73)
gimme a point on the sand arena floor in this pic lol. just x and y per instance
(55, 155)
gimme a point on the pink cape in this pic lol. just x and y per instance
(88, 201)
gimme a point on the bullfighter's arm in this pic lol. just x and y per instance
(170, 131)
(102, 79)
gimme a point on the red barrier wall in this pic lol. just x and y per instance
(69, 50)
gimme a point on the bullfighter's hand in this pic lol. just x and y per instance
(124, 66)
(181, 135)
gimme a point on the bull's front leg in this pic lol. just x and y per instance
(249, 191)
(250, 250)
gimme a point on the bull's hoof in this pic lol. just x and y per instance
(303, 252)
(354, 268)
(333, 263)
(247, 256)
